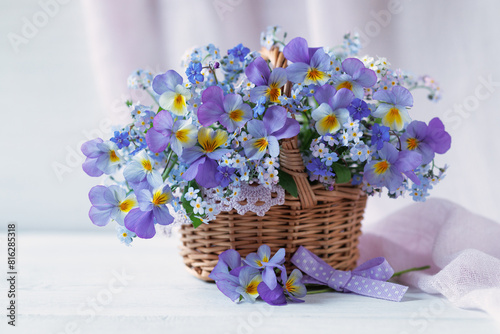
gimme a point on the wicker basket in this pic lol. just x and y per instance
(327, 223)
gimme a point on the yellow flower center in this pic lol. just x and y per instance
(330, 121)
(147, 165)
(381, 167)
(113, 157)
(160, 198)
(251, 288)
(261, 144)
(182, 135)
(210, 142)
(314, 74)
(412, 143)
(236, 115)
(274, 93)
(345, 84)
(126, 205)
(289, 286)
(124, 234)
(394, 116)
(179, 100)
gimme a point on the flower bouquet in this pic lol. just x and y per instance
(277, 147)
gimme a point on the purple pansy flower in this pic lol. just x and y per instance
(102, 157)
(229, 110)
(265, 134)
(141, 169)
(110, 203)
(263, 260)
(268, 84)
(274, 296)
(332, 111)
(392, 108)
(202, 160)
(426, 139)
(310, 65)
(291, 287)
(388, 170)
(179, 134)
(228, 260)
(355, 78)
(244, 285)
(173, 95)
(152, 210)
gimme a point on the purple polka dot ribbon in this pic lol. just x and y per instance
(369, 279)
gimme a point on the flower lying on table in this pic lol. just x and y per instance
(256, 276)
(260, 275)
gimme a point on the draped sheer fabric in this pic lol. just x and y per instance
(462, 248)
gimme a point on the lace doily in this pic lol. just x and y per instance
(254, 198)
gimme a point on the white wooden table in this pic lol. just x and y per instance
(90, 283)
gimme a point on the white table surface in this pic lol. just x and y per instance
(68, 283)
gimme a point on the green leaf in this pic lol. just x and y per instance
(343, 174)
(288, 183)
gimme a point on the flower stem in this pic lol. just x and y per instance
(167, 171)
(399, 273)
(313, 292)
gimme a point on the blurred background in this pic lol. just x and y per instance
(64, 66)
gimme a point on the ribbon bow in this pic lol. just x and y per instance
(369, 279)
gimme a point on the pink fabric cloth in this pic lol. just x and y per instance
(462, 248)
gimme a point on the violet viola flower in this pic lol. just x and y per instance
(202, 160)
(392, 108)
(110, 203)
(173, 95)
(355, 78)
(426, 139)
(389, 169)
(275, 125)
(141, 169)
(102, 157)
(228, 260)
(242, 286)
(310, 65)
(292, 287)
(262, 260)
(152, 210)
(268, 84)
(179, 134)
(229, 110)
(274, 296)
(332, 111)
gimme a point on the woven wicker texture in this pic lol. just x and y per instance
(327, 223)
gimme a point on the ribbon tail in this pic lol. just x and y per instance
(376, 289)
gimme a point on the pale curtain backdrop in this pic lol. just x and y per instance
(70, 79)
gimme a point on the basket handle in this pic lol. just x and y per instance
(290, 157)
